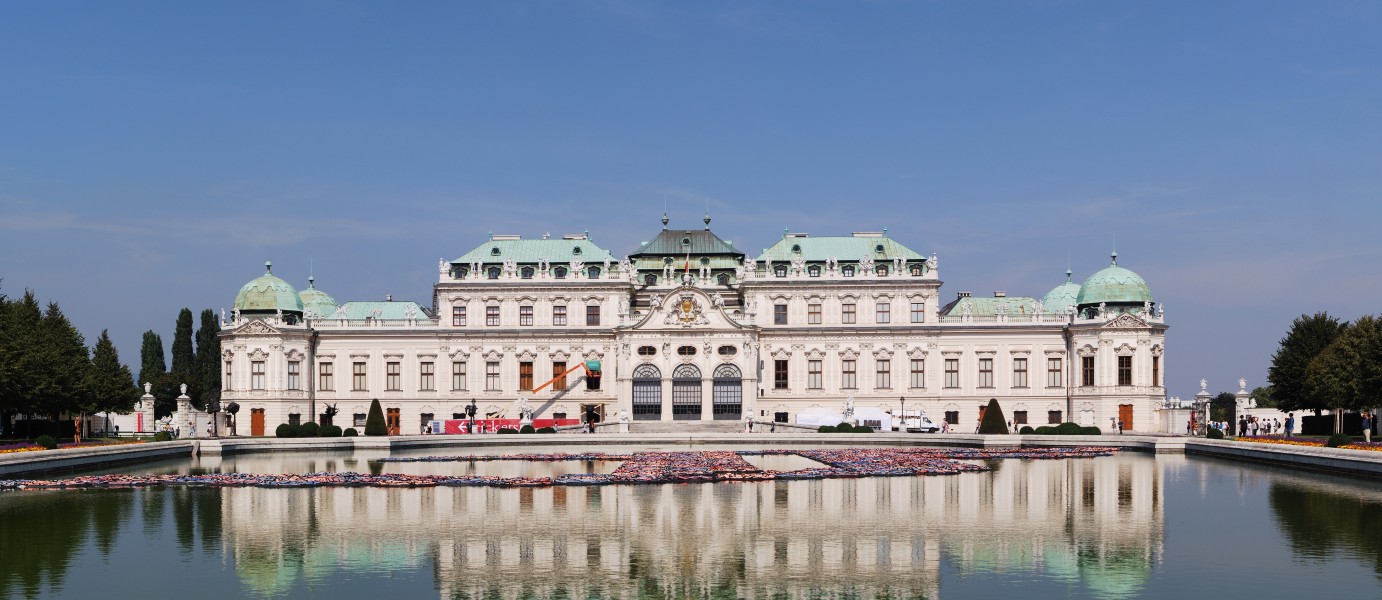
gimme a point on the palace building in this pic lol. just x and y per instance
(689, 327)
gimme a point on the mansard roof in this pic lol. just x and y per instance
(844, 248)
(385, 311)
(988, 306)
(501, 248)
(679, 242)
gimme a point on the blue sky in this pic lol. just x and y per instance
(153, 155)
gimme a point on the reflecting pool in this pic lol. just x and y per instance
(1120, 526)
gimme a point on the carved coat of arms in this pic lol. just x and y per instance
(686, 312)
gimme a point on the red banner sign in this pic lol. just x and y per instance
(462, 426)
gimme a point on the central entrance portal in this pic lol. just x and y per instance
(686, 393)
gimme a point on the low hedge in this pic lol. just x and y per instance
(163, 436)
(46, 441)
(527, 429)
(1338, 439)
(331, 431)
(309, 429)
(547, 430)
(286, 430)
(350, 432)
(1063, 429)
(1026, 430)
(507, 430)
(825, 429)
(1214, 434)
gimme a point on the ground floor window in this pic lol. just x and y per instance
(358, 420)
(1053, 417)
(952, 417)
(1019, 417)
(294, 419)
(779, 417)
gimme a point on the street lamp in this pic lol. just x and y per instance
(903, 428)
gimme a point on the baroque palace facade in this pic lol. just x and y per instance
(688, 327)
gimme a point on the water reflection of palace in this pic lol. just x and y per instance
(1098, 522)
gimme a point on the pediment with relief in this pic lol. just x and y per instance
(1126, 321)
(256, 327)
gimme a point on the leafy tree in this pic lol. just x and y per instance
(1307, 338)
(151, 363)
(1223, 407)
(993, 419)
(184, 356)
(1347, 375)
(374, 423)
(110, 383)
(208, 358)
(166, 392)
(1265, 396)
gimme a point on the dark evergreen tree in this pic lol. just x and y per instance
(110, 384)
(1307, 338)
(208, 359)
(26, 361)
(374, 422)
(65, 374)
(7, 357)
(1224, 407)
(151, 363)
(184, 355)
(993, 421)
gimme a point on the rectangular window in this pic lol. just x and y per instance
(1053, 417)
(847, 314)
(492, 376)
(1156, 371)
(1054, 378)
(813, 314)
(1125, 370)
(779, 374)
(918, 374)
(813, 374)
(849, 374)
(883, 374)
(427, 377)
(358, 419)
(357, 376)
(986, 372)
(294, 419)
(226, 379)
(559, 316)
(882, 312)
(1020, 372)
(294, 374)
(525, 376)
(458, 375)
(952, 372)
(525, 316)
(1019, 418)
(458, 316)
(326, 377)
(558, 374)
(592, 315)
(779, 314)
(257, 375)
(491, 316)
(918, 312)
(1087, 371)
(952, 417)
(393, 377)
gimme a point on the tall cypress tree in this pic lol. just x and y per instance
(208, 361)
(110, 383)
(151, 363)
(184, 357)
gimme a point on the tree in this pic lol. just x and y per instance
(1347, 375)
(374, 423)
(1306, 339)
(208, 358)
(23, 318)
(110, 385)
(993, 421)
(151, 363)
(1223, 407)
(64, 377)
(1265, 396)
(184, 356)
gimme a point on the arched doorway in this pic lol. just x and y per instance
(647, 393)
(686, 393)
(727, 395)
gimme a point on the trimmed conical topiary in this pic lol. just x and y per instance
(374, 424)
(993, 419)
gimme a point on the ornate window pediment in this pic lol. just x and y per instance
(815, 353)
(294, 354)
(1156, 350)
(849, 354)
(917, 352)
(882, 353)
(459, 353)
(493, 355)
(527, 356)
(1086, 350)
(1124, 350)
(259, 354)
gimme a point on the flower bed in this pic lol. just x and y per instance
(1316, 443)
(32, 447)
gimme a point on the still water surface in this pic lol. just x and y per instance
(1129, 525)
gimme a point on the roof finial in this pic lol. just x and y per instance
(707, 220)
(311, 282)
(1114, 255)
(665, 220)
(785, 231)
(491, 236)
(268, 267)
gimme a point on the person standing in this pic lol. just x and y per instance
(1290, 423)
(1367, 427)
(1120, 427)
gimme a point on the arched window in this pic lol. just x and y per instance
(527, 272)
(813, 270)
(650, 279)
(593, 273)
(780, 270)
(493, 273)
(878, 248)
(686, 393)
(881, 270)
(559, 272)
(462, 272)
(916, 270)
(722, 279)
(847, 270)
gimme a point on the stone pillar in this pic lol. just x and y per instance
(144, 410)
(186, 419)
(707, 396)
(667, 397)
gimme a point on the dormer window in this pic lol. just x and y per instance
(576, 250)
(878, 248)
(686, 241)
(813, 271)
(722, 278)
(916, 270)
(705, 260)
(593, 272)
(559, 272)
(493, 273)
(650, 279)
(796, 248)
(527, 272)
(780, 270)
(666, 260)
(847, 270)
(881, 270)
(462, 272)
(494, 251)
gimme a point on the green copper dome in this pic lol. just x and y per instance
(1114, 285)
(1062, 297)
(316, 303)
(268, 293)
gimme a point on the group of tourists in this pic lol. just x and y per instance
(1254, 426)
